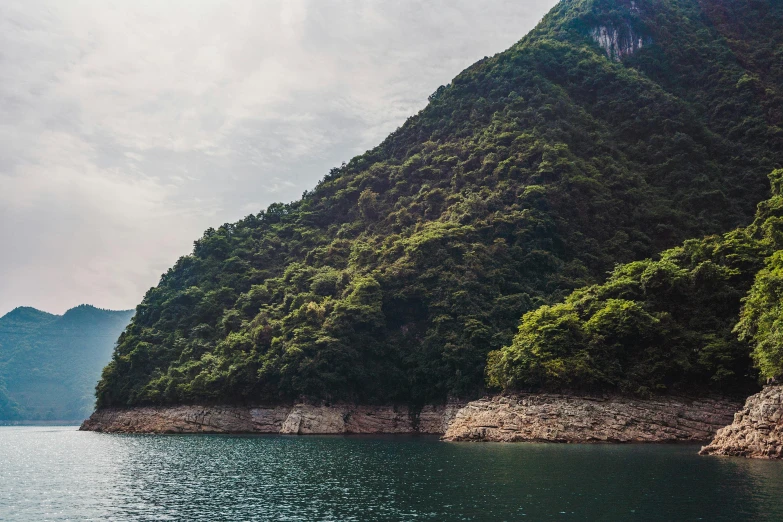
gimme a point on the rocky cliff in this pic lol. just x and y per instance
(551, 418)
(757, 430)
(560, 418)
(298, 419)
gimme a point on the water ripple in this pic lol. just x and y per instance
(62, 474)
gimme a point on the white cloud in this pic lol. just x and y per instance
(129, 127)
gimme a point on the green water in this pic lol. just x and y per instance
(61, 474)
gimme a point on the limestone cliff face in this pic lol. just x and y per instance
(552, 418)
(187, 419)
(305, 419)
(618, 43)
(757, 430)
(559, 418)
(620, 38)
(299, 419)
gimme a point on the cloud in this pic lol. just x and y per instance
(130, 127)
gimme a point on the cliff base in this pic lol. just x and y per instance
(560, 418)
(757, 430)
(540, 417)
(299, 419)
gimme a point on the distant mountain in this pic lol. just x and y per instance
(49, 364)
(615, 130)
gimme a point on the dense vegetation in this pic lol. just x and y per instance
(669, 323)
(49, 364)
(533, 173)
(761, 323)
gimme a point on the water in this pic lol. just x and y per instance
(49, 473)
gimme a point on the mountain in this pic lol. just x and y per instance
(614, 130)
(49, 364)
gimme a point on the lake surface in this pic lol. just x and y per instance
(49, 473)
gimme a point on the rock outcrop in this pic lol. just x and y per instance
(620, 39)
(757, 430)
(545, 417)
(618, 43)
(298, 419)
(187, 419)
(560, 418)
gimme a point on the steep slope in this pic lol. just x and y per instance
(49, 364)
(614, 130)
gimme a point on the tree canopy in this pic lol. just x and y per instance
(660, 324)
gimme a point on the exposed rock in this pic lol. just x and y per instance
(552, 418)
(305, 419)
(436, 420)
(619, 43)
(757, 430)
(187, 419)
(297, 419)
(559, 418)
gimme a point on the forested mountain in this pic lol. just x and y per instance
(49, 364)
(614, 130)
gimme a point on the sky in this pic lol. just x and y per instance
(127, 128)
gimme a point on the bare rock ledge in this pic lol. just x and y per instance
(545, 417)
(561, 418)
(757, 430)
(299, 419)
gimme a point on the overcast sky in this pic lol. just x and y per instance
(128, 128)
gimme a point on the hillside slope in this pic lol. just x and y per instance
(704, 314)
(612, 131)
(49, 364)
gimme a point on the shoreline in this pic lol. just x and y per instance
(297, 419)
(590, 419)
(510, 418)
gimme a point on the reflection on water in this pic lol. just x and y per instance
(61, 474)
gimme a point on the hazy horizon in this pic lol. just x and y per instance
(130, 129)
